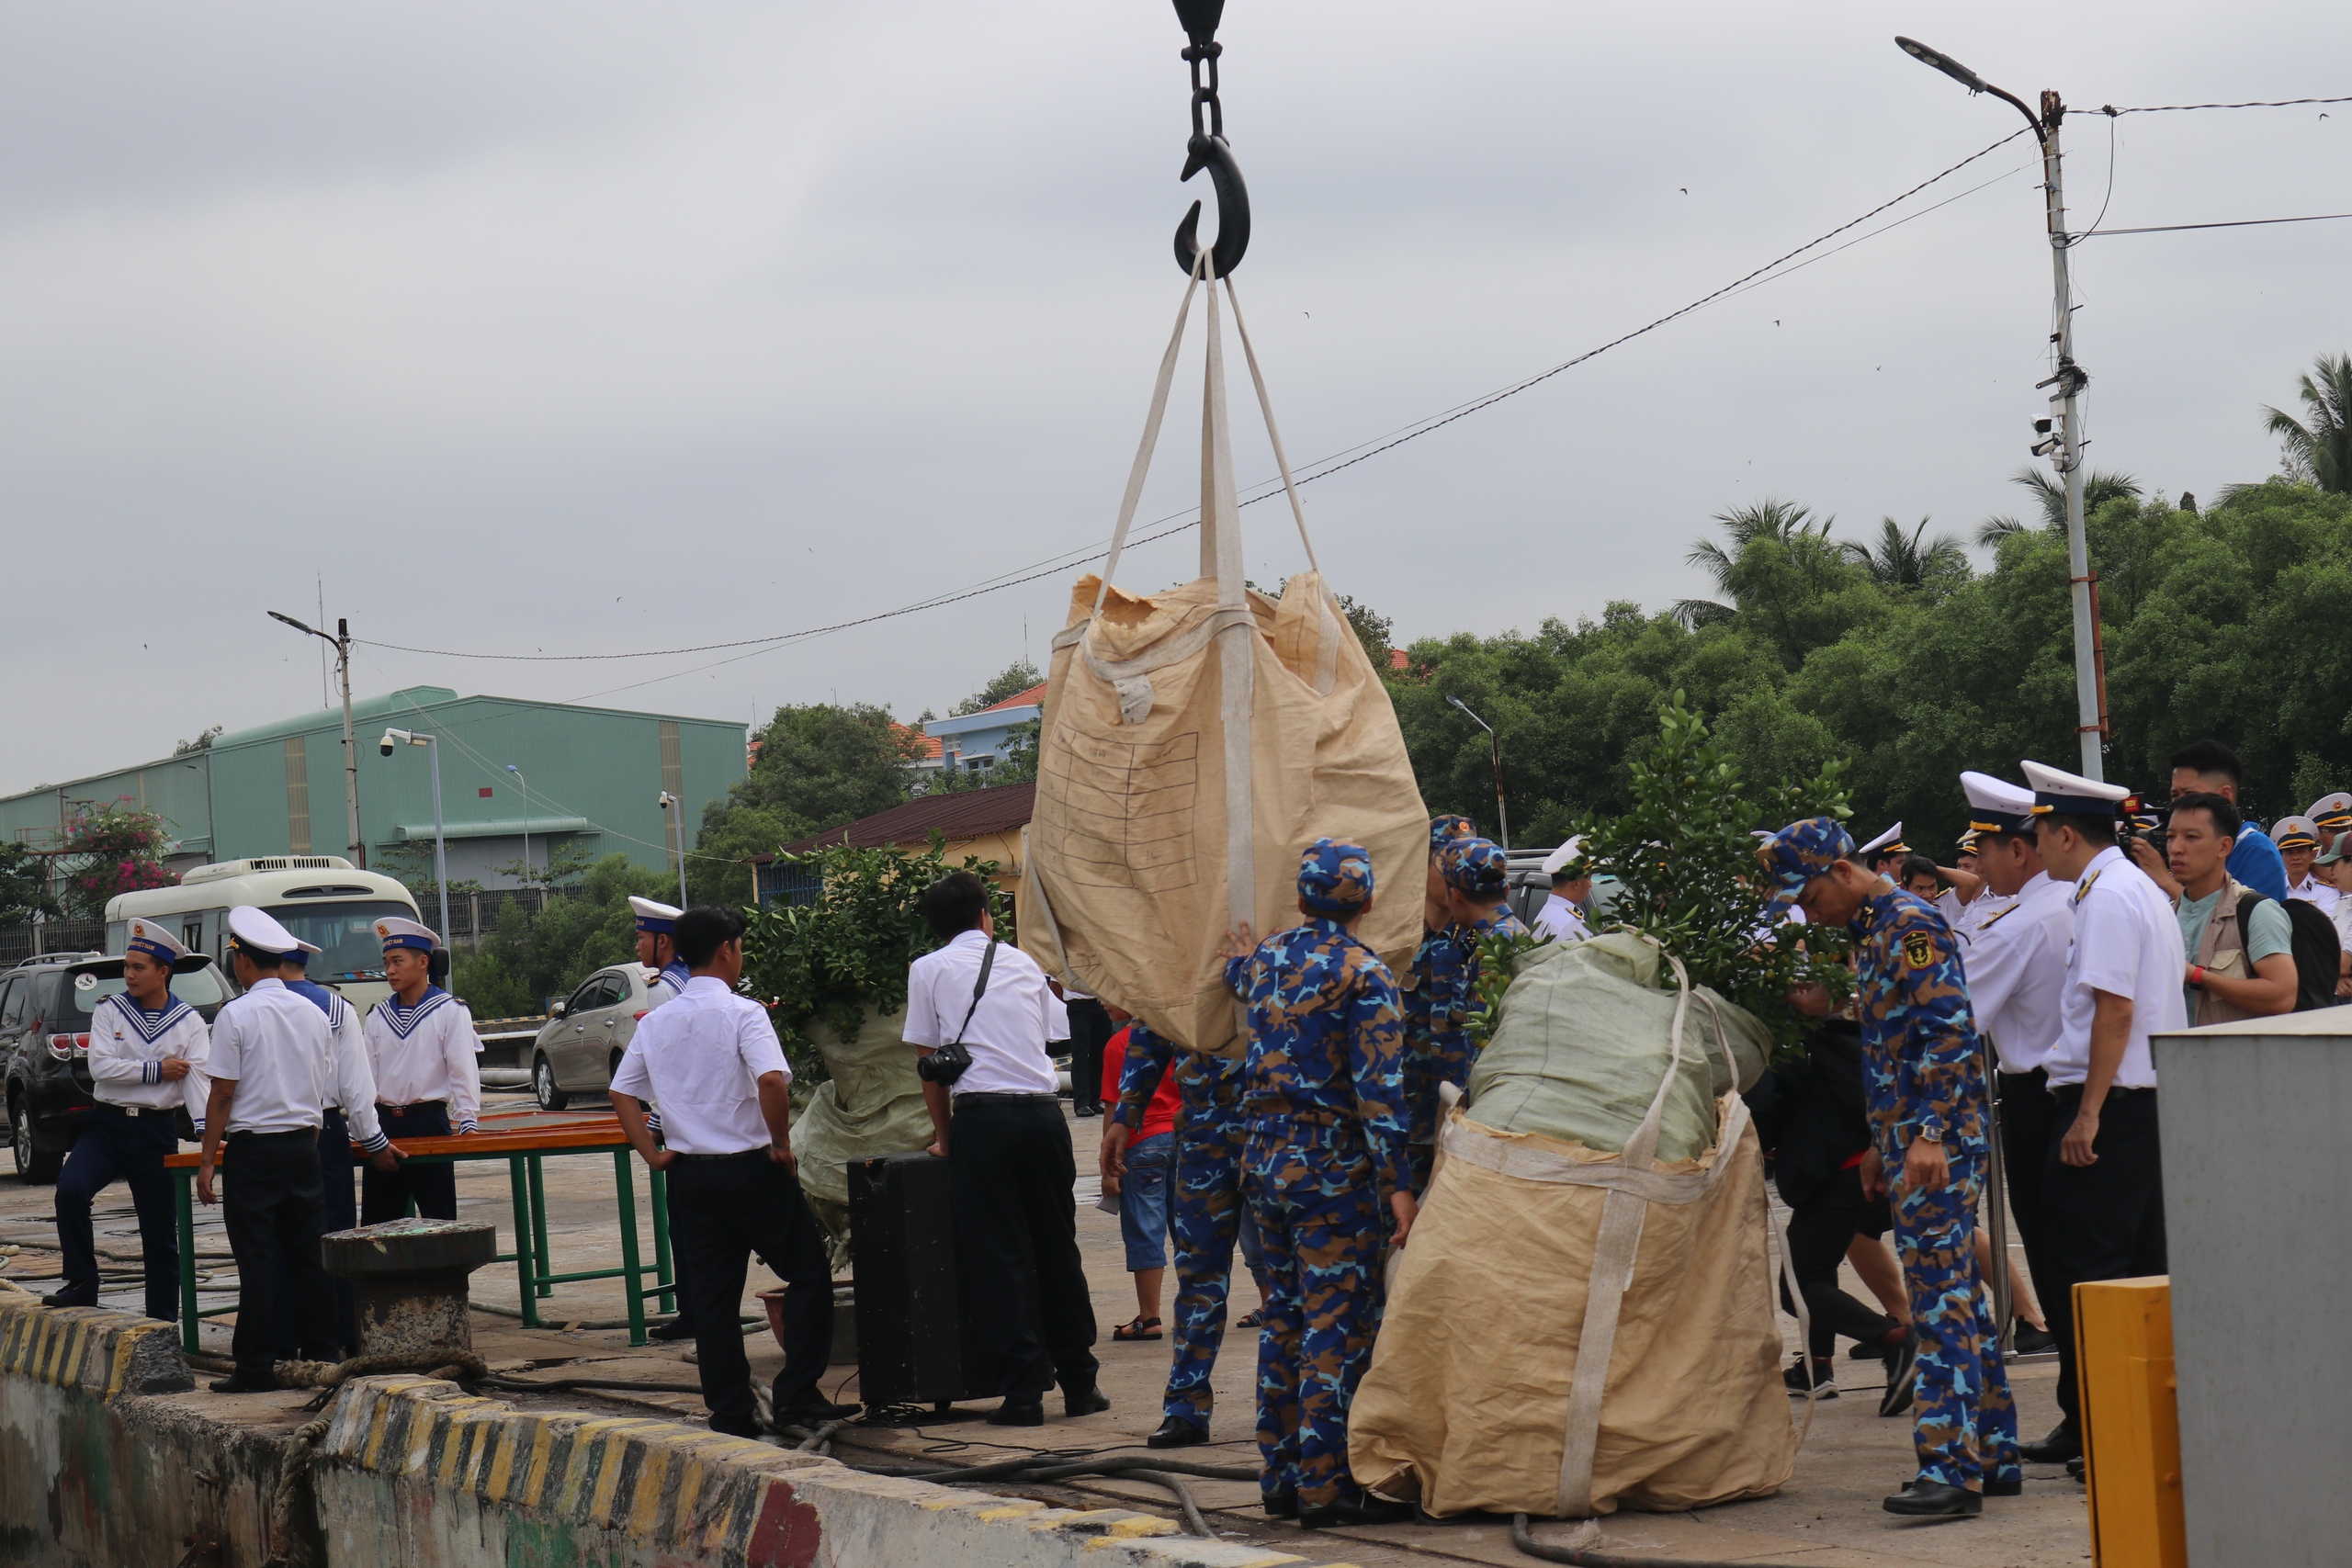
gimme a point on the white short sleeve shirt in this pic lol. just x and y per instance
(2015, 960)
(702, 1055)
(1013, 1027)
(2126, 942)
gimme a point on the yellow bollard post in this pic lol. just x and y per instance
(2130, 1422)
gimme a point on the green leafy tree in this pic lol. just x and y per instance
(24, 886)
(565, 863)
(2319, 452)
(2099, 487)
(848, 949)
(111, 847)
(1373, 629)
(532, 955)
(411, 864)
(1902, 560)
(821, 765)
(1014, 679)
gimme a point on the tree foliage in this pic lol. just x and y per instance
(2319, 452)
(24, 885)
(111, 847)
(1011, 681)
(532, 955)
(820, 765)
(848, 949)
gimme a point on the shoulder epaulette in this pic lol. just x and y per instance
(2085, 885)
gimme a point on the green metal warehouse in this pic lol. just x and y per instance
(595, 775)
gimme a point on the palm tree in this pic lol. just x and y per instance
(1770, 518)
(1904, 561)
(2320, 452)
(2099, 487)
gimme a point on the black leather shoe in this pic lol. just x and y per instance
(1084, 1111)
(70, 1297)
(1178, 1433)
(1019, 1413)
(1085, 1402)
(1281, 1505)
(751, 1430)
(241, 1382)
(2032, 1341)
(1934, 1500)
(1901, 1378)
(1365, 1508)
(2061, 1444)
(814, 1414)
(2004, 1488)
(672, 1332)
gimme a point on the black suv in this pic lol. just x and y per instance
(45, 1008)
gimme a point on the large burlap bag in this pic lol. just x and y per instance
(1571, 1331)
(872, 1104)
(1193, 743)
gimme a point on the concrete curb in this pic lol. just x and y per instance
(415, 1470)
(89, 1349)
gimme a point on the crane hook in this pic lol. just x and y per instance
(1208, 149)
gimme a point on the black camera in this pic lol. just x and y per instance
(945, 1066)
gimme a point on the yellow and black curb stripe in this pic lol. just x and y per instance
(97, 1352)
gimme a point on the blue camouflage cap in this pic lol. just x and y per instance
(1334, 878)
(1449, 829)
(1799, 853)
(1476, 866)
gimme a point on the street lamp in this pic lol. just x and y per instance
(342, 640)
(670, 811)
(440, 857)
(527, 822)
(2064, 445)
(1495, 745)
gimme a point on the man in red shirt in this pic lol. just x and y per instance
(1136, 1170)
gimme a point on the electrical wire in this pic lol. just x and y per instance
(2177, 108)
(1322, 467)
(2074, 240)
(2234, 223)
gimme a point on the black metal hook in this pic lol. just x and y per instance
(1208, 149)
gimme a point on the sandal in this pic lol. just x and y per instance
(1252, 1320)
(1141, 1328)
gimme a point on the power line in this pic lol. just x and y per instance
(2178, 108)
(1321, 467)
(2233, 223)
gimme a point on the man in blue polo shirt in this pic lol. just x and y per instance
(2208, 767)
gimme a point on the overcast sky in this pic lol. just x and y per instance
(593, 329)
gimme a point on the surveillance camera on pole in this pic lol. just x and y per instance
(667, 801)
(440, 854)
(342, 640)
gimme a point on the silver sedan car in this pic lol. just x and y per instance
(578, 1049)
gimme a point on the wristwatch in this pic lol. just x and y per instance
(2197, 975)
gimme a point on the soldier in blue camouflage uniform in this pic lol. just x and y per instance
(1323, 1094)
(1206, 1218)
(1474, 873)
(1429, 988)
(1924, 1075)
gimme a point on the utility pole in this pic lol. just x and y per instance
(342, 641)
(1494, 749)
(2064, 444)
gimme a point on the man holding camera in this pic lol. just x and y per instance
(712, 1059)
(983, 1018)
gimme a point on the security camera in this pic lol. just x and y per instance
(385, 746)
(2041, 427)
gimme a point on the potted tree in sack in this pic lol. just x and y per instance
(833, 974)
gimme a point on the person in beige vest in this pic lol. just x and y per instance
(2235, 971)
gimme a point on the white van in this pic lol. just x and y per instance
(322, 899)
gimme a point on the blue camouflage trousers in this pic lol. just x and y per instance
(1965, 1425)
(1318, 1213)
(1207, 1216)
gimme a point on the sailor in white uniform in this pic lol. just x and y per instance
(1561, 917)
(275, 1067)
(147, 1050)
(421, 1047)
(657, 949)
(2299, 840)
(1885, 853)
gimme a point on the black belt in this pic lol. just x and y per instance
(134, 1110)
(441, 1105)
(311, 1134)
(740, 1153)
(2071, 1093)
(1004, 1094)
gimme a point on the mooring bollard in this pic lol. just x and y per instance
(408, 1281)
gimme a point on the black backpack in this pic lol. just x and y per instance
(2319, 954)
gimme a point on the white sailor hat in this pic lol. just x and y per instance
(658, 919)
(2295, 833)
(1558, 862)
(394, 933)
(2071, 794)
(1997, 805)
(1887, 844)
(152, 940)
(257, 932)
(2332, 814)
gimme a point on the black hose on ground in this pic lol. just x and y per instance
(537, 1385)
(1521, 1537)
(1039, 1469)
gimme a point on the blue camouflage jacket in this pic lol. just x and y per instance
(1326, 1038)
(1921, 1064)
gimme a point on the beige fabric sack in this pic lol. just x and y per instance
(1193, 743)
(872, 1104)
(1530, 1252)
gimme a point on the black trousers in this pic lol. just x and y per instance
(722, 1210)
(112, 1147)
(270, 1205)
(1820, 1229)
(1090, 1031)
(339, 1210)
(2105, 1220)
(385, 1194)
(2027, 1114)
(1016, 1229)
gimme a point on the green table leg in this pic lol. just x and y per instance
(182, 1183)
(658, 1186)
(527, 1267)
(539, 1221)
(631, 1275)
